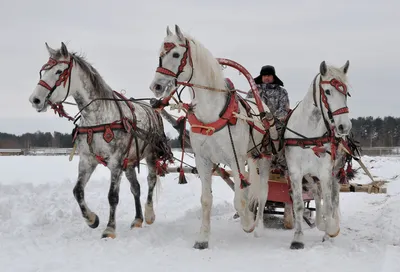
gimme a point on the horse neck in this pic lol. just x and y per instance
(309, 120)
(98, 112)
(207, 104)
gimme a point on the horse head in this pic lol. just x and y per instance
(175, 57)
(54, 85)
(333, 98)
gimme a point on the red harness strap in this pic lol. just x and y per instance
(208, 129)
(108, 131)
(108, 134)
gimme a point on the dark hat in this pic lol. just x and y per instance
(268, 70)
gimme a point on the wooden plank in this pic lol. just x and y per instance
(375, 187)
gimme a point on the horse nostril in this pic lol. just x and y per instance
(157, 87)
(340, 128)
(36, 101)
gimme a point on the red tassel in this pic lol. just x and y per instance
(349, 171)
(243, 182)
(182, 178)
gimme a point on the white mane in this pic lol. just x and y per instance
(202, 58)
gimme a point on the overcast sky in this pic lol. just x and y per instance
(122, 38)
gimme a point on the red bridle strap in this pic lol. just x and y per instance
(341, 88)
(167, 48)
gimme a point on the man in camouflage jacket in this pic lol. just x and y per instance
(271, 91)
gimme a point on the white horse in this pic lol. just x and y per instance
(314, 129)
(113, 131)
(216, 136)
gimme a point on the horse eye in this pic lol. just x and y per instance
(175, 55)
(328, 92)
(58, 72)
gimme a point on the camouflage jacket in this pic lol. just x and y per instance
(276, 98)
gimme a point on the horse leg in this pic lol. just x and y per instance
(130, 174)
(86, 168)
(241, 200)
(335, 225)
(298, 208)
(152, 180)
(113, 199)
(331, 225)
(264, 167)
(288, 216)
(204, 168)
(316, 191)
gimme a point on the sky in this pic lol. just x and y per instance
(122, 38)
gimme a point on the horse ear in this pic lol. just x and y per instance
(51, 51)
(64, 50)
(322, 68)
(345, 67)
(169, 33)
(179, 33)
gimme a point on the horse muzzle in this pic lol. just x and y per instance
(162, 88)
(343, 129)
(38, 104)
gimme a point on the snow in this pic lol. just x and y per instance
(42, 229)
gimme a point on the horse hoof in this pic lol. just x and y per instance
(150, 220)
(96, 222)
(200, 245)
(297, 245)
(335, 234)
(250, 230)
(108, 235)
(137, 223)
(288, 225)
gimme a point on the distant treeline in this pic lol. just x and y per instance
(369, 131)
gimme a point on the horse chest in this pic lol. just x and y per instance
(217, 149)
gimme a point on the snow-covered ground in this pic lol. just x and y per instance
(41, 228)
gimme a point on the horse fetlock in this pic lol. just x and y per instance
(149, 215)
(109, 233)
(93, 220)
(137, 223)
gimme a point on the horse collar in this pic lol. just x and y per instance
(226, 117)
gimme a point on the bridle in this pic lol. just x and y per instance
(341, 88)
(63, 77)
(168, 46)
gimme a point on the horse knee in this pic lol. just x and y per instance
(206, 200)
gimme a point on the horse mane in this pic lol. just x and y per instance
(99, 86)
